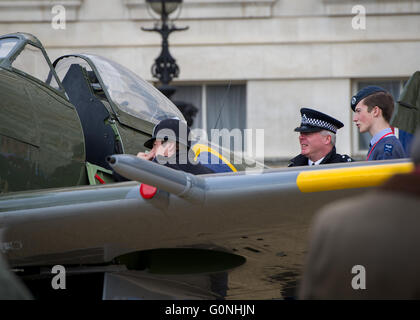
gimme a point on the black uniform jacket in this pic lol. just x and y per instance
(183, 164)
(332, 157)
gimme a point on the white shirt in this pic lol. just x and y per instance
(311, 163)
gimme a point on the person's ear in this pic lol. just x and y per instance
(171, 149)
(376, 111)
(165, 149)
(327, 139)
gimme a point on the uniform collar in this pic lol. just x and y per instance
(310, 162)
(301, 160)
(379, 135)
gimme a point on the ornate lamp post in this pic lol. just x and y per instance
(165, 67)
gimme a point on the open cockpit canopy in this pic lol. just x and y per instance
(126, 92)
(134, 101)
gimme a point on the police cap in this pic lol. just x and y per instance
(314, 121)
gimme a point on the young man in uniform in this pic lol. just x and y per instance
(170, 146)
(317, 139)
(373, 107)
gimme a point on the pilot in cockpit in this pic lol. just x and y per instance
(171, 147)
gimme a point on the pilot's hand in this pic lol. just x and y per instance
(146, 156)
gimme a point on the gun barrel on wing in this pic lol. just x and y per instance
(179, 183)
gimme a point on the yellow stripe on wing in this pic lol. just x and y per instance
(347, 178)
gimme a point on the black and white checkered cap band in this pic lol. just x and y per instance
(318, 123)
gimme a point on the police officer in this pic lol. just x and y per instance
(317, 139)
(373, 107)
(171, 147)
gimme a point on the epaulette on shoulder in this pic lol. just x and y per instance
(347, 158)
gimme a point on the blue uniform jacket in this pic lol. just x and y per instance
(387, 148)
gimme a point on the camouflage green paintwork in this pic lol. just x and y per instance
(41, 140)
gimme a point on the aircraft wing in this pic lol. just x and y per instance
(248, 228)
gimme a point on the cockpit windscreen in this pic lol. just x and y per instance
(132, 94)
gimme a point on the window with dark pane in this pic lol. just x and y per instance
(220, 106)
(192, 95)
(226, 109)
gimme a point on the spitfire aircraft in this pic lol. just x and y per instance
(166, 234)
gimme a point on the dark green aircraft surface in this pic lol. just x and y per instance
(65, 126)
(58, 121)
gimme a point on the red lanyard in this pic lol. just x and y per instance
(377, 143)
